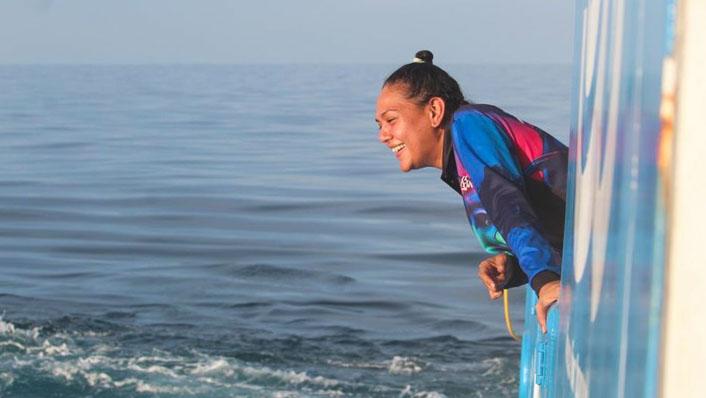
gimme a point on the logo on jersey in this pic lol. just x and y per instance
(466, 184)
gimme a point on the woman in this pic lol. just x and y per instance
(511, 174)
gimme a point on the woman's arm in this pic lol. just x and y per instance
(486, 153)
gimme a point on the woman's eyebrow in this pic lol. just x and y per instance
(383, 114)
(389, 110)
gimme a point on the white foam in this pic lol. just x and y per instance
(65, 370)
(91, 333)
(94, 379)
(157, 359)
(332, 393)
(122, 383)
(290, 376)
(408, 392)
(285, 394)
(12, 343)
(6, 327)
(494, 367)
(22, 363)
(102, 348)
(405, 366)
(89, 362)
(7, 379)
(362, 365)
(50, 349)
(213, 366)
(9, 328)
(97, 365)
(141, 386)
(429, 394)
(222, 366)
(397, 365)
(69, 371)
(144, 387)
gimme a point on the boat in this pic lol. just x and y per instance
(628, 322)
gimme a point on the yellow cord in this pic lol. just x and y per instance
(508, 322)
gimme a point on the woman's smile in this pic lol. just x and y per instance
(398, 149)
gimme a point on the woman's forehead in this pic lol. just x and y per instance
(396, 91)
(392, 97)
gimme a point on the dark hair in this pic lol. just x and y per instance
(424, 80)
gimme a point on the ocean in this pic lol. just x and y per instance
(239, 231)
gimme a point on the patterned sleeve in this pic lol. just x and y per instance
(486, 153)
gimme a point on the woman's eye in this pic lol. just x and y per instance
(391, 120)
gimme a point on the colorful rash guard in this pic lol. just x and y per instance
(512, 176)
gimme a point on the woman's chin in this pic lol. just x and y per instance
(405, 167)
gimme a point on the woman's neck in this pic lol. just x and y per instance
(439, 159)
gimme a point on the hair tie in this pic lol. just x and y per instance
(417, 60)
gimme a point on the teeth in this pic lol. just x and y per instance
(397, 148)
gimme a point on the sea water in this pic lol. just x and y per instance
(239, 231)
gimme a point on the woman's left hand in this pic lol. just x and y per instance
(495, 272)
(548, 295)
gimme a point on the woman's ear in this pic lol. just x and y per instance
(437, 106)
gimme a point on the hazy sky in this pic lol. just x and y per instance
(285, 31)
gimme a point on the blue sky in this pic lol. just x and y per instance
(281, 31)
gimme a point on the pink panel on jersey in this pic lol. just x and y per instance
(528, 143)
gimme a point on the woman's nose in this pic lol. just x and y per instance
(384, 135)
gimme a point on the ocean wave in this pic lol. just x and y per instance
(58, 356)
(397, 365)
(9, 328)
(66, 354)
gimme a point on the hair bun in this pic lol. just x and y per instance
(423, 57)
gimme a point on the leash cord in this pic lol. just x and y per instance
(508, 322)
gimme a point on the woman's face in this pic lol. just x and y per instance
(409, 129)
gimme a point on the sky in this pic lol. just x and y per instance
(285, 31)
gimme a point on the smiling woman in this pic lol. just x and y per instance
(413, 130)
(511, 174)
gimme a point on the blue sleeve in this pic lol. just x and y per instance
(486, 153)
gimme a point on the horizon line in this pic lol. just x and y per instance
(308, 63)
